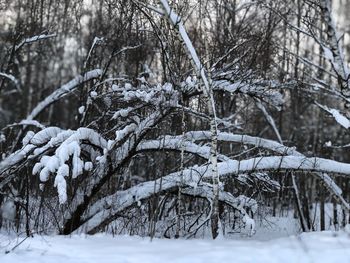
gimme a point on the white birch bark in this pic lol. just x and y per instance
(175, 20)
(335, 53)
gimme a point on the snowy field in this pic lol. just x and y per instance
(312, 247)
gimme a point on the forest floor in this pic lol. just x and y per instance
(308, 247)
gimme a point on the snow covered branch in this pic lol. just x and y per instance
(175, 143)
(262, 89)
(103, 212)
(334, 53)
(67, 143)
(11, 78)
(244, 139)
(34, 39)
(63, 91)
(193, 177)
(339, 118)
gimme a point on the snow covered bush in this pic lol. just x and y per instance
(161, 130)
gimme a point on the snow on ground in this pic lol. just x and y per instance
(308, 247)
(275, 227)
